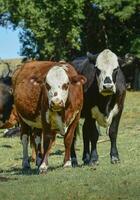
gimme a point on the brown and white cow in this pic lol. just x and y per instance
(48, 96)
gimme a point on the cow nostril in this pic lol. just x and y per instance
(107, 80)
(61, 103)
(52, 103)
(57, 102)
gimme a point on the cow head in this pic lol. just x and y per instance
(106, 66)
(57, 83)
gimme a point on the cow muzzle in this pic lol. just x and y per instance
(108, 89)
(56, 104)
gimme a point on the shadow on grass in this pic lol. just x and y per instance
(5, 179)
(26, 172)
(6, 146)
(19, 171)
(31, 172)
(57, 153)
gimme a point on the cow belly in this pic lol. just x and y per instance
(101, 118)
(55, 121)
(35, 124)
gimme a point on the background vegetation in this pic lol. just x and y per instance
(107, 182)
(64, 29)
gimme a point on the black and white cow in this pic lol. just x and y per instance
(103, 102)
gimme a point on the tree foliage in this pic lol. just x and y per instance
(62, 29)
(119, 21)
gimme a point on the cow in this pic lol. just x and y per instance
(104, 94)
(8, 117)
(6, 99)
(48, 96)
(130, 65)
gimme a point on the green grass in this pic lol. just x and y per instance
(107, 182)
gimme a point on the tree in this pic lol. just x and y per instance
(63, 29)
(51, 29)
(115, 25)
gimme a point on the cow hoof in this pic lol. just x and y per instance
(115, 160)
(74, 162)
(43, 168)
(26, 164)
(86, 162)
(94, 164)
(86, 159)
(67, 164)
(43, 171)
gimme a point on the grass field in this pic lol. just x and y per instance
(107, 182)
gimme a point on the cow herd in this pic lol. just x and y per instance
(50, 97)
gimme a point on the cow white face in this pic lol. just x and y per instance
(57, 83)
(106, 64)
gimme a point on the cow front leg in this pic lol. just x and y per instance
(113, 130)
(47, 143)
(68, 138)
(74, 161)
(94, 138)
(25, 161)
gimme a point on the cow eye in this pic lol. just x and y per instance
(65, 86)
(48, 87)
(98, 71)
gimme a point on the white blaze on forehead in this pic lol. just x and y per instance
(56, 77)
(107, 61)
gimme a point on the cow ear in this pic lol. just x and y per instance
(91, 57)
(121, 61)
(78, 79)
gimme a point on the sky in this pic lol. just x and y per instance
(9, 43)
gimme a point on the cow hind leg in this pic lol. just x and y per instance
(32, 145)
(86, 143)
(25, 161)
(38, 150)
(25, 131)
(90, 134)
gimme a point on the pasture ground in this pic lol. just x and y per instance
(107, 182)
